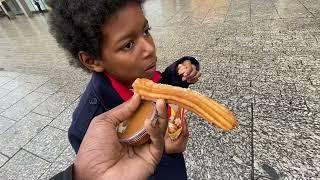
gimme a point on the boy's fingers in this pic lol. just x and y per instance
(192, 74)
(182, 70)
(195, 78)
(194, 67)
(198, 75)
(188, 71)
(187, 63)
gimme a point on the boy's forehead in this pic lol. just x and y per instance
(127, 20)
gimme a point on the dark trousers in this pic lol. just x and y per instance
(170, 167)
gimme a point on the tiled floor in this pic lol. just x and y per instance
(259, 57)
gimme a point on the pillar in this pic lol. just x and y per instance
(24, 7)
(7, 11)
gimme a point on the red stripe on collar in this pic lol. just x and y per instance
(124, 92)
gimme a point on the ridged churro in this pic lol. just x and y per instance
(203, 106)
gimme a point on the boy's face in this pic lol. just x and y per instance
(128, 50)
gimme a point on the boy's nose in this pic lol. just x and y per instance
(148, 47)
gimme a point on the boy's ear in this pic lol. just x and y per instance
(89, 62)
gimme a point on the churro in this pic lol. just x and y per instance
(203, 106)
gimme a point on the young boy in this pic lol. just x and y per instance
(111, 39)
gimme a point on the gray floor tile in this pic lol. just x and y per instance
(314, 79)
(25, 105)
(13, 97)
(23, 82)
(9, 74)
(295, 100)
(17, 94)
(5, 124)
(199, 127)
(313, 103)
(48, 144)
(241, 107)
(286, 148)
(60, 164)
(290, 9)
(226, 157)
(74, 87)
(32, 78)
(4, 92)
(23, 166)
(21, 133)
(31, 85)
(49, 88)
(4, 80)
(59, 81)
(11, 85)
(63, 121)
(55, 104)
(265, 88)
(3, 159)
(272, 99)
(307, 89)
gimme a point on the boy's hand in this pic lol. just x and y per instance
(188, 71)
(179, 145)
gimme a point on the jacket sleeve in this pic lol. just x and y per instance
(87, 109)
(170, 75)
(64, 175)
(75, 139)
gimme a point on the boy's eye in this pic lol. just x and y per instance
(129, 45)
(146, 32)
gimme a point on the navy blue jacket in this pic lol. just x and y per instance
(100, 97)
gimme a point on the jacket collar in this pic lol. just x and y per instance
(124, 92)
(104, 91)
(111, 93)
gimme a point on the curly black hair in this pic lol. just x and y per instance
(77, 24)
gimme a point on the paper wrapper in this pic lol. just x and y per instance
(177, 114)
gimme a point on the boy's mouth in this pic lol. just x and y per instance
(151, 67)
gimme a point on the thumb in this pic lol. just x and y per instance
(122, 112)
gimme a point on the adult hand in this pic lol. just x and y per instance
(102, 156)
